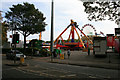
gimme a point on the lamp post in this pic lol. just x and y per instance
(119, 17)
(51, 46)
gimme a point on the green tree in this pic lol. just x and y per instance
(3, 29)
(48, 41)
(0, 29)
(4, 33)
(1, 16)
(26, 19)
(102, 10)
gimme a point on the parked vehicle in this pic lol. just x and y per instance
(11, 54)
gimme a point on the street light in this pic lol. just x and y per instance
(51, 46)
(119, 17)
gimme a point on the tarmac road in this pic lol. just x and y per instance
(41, 69)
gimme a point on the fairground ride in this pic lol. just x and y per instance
(89, 26)
(70, 43)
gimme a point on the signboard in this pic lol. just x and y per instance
(110, 39)
(117, 31)
(110, 34)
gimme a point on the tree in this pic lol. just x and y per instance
(102, 10)
(26, 19)
(3, 29)
(4, 33)
(1, 16)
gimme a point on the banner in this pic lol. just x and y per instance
(110, 40)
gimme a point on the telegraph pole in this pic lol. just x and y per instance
(51, 46)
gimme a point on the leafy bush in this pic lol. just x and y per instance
(42, 53)
(5, 50)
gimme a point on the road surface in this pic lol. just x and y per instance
(41, 69)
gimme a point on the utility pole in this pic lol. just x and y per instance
(51, 46)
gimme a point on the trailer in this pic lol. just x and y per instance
(117, 46)
(117, 40)
(99, 46)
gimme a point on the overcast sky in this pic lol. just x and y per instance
(64, 11)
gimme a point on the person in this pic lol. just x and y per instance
(88, 51)
(75, 23)
(60, 52)
(54, 54)
(68, 53)
(64, 55)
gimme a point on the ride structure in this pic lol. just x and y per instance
(90, 26)
(40, 36)
(70, 43)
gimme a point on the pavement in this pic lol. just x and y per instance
(80, 58)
